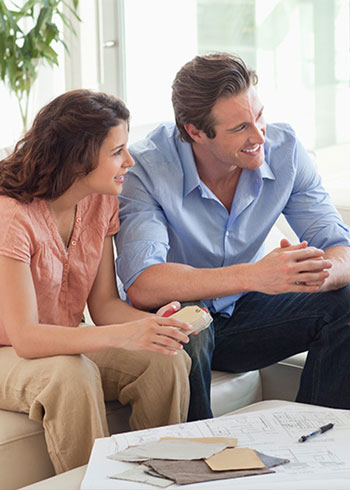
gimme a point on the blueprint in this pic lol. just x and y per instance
(322, 462)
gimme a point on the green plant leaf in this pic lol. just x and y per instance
(23, 48)
(74, 9)
(12, 22)
(2, 22)
(44, 15)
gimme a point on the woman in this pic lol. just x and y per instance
(58, 212)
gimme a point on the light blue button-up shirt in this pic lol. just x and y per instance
(169, 215)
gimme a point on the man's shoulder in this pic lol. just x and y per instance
(280, 143)
(279, 133)
(159, 144)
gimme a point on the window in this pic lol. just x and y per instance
(300, 49)
(133, 48)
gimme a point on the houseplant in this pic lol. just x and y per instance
(29, 35)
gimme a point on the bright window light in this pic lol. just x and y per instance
(300, 49)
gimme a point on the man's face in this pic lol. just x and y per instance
(240, 132)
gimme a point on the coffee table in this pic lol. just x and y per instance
(71, 480)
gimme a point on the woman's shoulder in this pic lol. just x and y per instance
(9, 207)
(23, 211)
(100, 204)
(100, 211)
(6, 201)
(16, 227)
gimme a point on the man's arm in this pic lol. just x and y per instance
(293, 268)
(340, 271)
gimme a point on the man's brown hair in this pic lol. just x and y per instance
(201, 82)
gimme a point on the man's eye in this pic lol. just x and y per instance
(240, 128)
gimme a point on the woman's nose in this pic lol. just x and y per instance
(129, 161)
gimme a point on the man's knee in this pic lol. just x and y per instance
(200, 345)
(343, 296)
(337, 302)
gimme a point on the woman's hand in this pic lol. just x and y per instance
(154, 333)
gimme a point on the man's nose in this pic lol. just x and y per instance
(258, 133)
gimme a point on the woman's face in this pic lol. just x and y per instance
(113, 162)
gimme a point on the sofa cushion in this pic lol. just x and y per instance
(23, 455)
(281, 381)
(232, 391)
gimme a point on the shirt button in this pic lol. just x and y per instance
(66, 266)
(64, 284)
(78, 220)
(217, 299)
(74, 243)
(227, 233)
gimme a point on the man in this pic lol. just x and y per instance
(195, 212)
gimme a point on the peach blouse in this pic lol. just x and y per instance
(62, 278)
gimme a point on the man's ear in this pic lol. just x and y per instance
(194, 133)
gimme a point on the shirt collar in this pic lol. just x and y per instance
(265, 172)
(191, 177)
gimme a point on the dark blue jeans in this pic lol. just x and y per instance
(265, 329)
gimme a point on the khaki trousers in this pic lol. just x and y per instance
(66, 393)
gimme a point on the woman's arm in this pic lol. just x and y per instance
(105, 305)
(19, 315)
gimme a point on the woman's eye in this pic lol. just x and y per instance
(118, 152)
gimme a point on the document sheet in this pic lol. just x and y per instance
(322, 462)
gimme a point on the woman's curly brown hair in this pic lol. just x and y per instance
(62, 145)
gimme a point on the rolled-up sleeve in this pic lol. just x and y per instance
(309, 209)
(143, 237)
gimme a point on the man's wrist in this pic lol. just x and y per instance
(244, 275)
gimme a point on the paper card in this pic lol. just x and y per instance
(229, 441)
(141, 474)
(169, 450)
(198, 317)
(271, 461)
(241, 458)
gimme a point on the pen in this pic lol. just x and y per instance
(321, 430)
